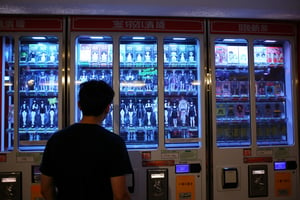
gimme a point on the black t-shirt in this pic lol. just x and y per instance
(81, 158)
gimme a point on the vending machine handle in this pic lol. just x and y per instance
(131, 188)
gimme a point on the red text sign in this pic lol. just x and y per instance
(251, 27)
(140, 24)
(31, 24)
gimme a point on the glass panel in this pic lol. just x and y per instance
(7, 93)
(273, 92)
(182, 92)
(138, 92)
(94, 57)
(232, 93)
(38, 91)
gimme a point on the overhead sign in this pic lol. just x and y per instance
(31, 24)
(252, 27)
(139, 24)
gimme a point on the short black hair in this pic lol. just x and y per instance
(94, 97)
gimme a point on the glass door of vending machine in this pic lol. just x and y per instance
(38, 115)
(182, 99)
(232, 93)
(7, 95)
(139, 91)
(93, 61)
(273, 81)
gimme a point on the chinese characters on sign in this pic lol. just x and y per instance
(11, 24)
(139, 24)
(253, 28)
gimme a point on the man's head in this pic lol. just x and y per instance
(95, 97)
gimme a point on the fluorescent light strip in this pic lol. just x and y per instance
(138, 38)
(179, 39)
(270, 41)
(39, 38)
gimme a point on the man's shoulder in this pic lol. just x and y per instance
(88, 130)
(113, 136)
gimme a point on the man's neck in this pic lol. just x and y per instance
(92, 119)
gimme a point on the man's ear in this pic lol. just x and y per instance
(107, 109)
(78, 104)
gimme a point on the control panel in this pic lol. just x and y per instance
(10, 185)
(157, 184)
(258, 180)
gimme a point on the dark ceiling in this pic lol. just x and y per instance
(255, 9)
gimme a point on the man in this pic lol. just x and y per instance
(85, 161)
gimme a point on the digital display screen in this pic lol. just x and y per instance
(182, 168)
(9, 180)
(259, 171)
(280, 165)
(160, 175)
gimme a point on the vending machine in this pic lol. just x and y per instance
(156, 67)
(31, 70)
(207, 108)
(255, 142)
